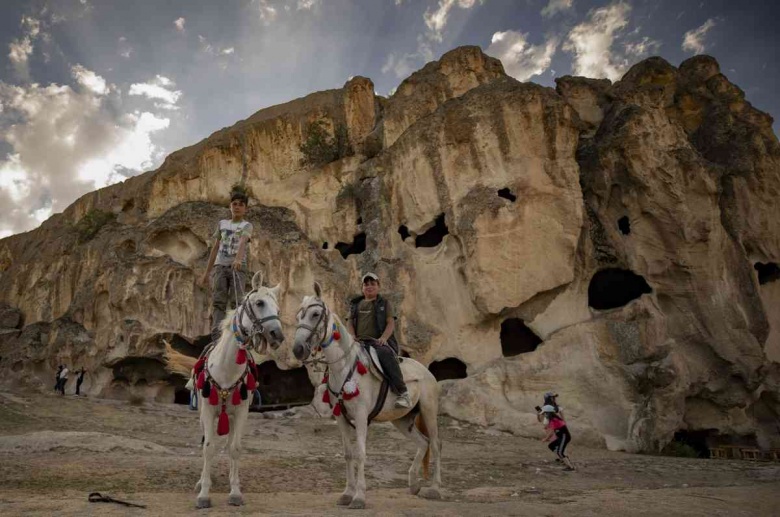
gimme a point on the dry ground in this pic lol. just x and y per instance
(55, 450)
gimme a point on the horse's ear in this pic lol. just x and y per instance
(318, 290)
(257, 280)
(275, 290)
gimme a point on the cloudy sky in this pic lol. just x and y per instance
(94, 91)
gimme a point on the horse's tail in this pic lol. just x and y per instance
(420, 424)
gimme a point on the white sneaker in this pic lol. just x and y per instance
(403, 401)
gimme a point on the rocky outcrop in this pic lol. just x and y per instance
(611, 241)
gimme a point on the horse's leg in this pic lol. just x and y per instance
(407, 428)
(348, 439)
(207, 422)
(359, 451)
(429, 412)
(234, 447)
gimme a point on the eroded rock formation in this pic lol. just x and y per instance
(621, 240)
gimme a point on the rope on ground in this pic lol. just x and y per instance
(97, 497)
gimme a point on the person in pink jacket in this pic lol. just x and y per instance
(556, 427)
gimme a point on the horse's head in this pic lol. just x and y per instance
(259, 312)
(311, 325)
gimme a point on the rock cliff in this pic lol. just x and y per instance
(614, 242)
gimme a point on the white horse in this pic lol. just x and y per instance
(353, 393)
(226, 379)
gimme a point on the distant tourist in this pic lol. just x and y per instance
(57, 378)
(556, 427)
(193, 399)
(550, 399)
(257, 400)
(63, 379)
(79, 380)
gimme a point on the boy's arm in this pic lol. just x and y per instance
(238, 262)
(549, 435)
(204, 281)
(388, 330)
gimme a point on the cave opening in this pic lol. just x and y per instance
(517, 338)
(281, 389)
(357, 246)
(624, 225)
(612, 288)
(507, 194)
(404, 232)
(691, 443)
(359, 220)
(434, 235)
(450, 368)
(768, 272)
(324, 245)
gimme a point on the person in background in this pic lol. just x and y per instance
(550, 399)
(57, 378)
(79, 380)
(63, 379)
(556, 427)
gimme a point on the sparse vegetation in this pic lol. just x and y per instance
(319, 148)
(240, 188)
(89, 225)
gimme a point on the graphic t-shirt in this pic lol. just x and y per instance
(366, 321)
(229, 235)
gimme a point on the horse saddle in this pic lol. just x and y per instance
(375, 365)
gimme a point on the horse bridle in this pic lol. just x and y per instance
(314, 329)
(248, 338)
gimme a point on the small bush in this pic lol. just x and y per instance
(680, 450)
(319, 148)
(89, 225)
(136, 400)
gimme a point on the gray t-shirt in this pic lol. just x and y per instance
(229, 235)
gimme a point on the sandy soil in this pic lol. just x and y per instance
(55, 450)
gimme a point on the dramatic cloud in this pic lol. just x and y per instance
(556, 6)
(307, 4)
(267, 12)
(66, 143)
(403, 65)
(694, 39)
(642, 47)
(160, 88)
(179, 23)
(591, 42)
(436, 20)
(20, 50)
(89, 80)
(521, 60)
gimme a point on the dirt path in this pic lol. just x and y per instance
(54, 451)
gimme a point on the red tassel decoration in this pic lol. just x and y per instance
(326, 397)
(223, 427)
(251, 384)
(236, 396)
(241, 356)
(199, 365)
(361, 368)
(337, 335)
(350, 396)
(213, 396)
(201, 380)
(325, 379)
(337, 409)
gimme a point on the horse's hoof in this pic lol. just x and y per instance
(204, 503)
(414, 489)
(236, 500)
(357, 504)
(430, 493)
(344, 500)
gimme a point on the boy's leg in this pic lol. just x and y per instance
(389, 360)
(219, 300)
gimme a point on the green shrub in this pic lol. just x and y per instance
(680, 450)
(89, 225)
(319, 148)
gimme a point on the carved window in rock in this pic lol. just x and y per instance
(433, 235)
(450, 368)
(768, 272)
(517, 338)
(356, 247)
(612, 288)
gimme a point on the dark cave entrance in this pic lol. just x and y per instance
(507, 194)
(181, 396)
(357, 246)
(280, 389)
(517, 338)
(768, 272)
(613, 287)
(450, 368)
(624, 225)
(434, 235)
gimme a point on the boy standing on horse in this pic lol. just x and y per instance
(372, 319)
(229, 260)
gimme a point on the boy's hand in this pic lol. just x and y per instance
(237, 265)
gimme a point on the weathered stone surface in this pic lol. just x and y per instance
(479, 199)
